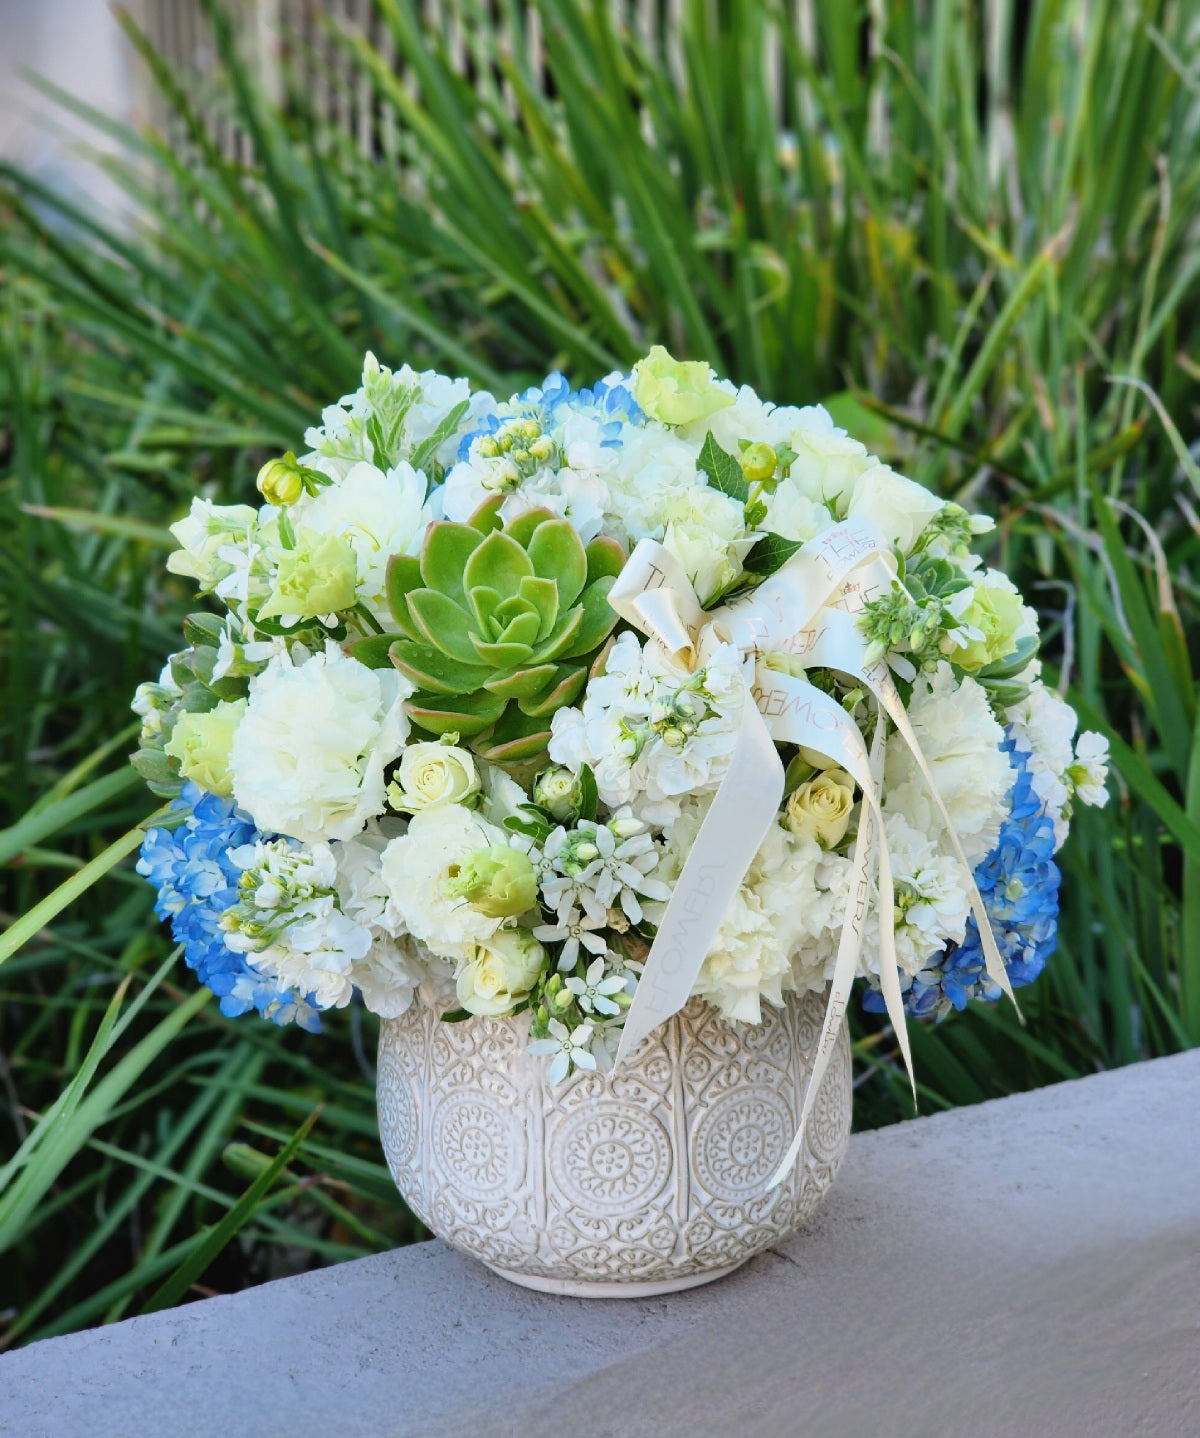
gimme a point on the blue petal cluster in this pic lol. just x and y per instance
(1018, 882)
(197, 881)
(609, 401)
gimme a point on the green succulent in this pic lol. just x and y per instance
(498, 626)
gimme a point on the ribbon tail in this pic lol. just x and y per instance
(737, 821)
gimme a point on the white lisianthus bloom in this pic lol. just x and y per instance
(899, 508)
(706, 532)
(961, 740)
(931, 904)
(418, 869)
(210, 537)
(309, 756)
(379, 514)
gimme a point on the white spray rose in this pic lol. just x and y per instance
(499, 973)
(899, 508)
(821, 807)
(432, 774)
(706, 532)
(309, 755)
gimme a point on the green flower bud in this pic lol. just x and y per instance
(758, 462)
(319, 576)
(557, 791)
(279, 483)
(498, 881)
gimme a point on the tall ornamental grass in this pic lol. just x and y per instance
(970, 227)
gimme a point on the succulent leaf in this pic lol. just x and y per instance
(597, 618)
(557, 551)
(604, 557)
(431, 669)
(467, 714)
(374, 651)
(442, 623)
(499, 563)
(403, 576)
(568, 685)
(444, 556)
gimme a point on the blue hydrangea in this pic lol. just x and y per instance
(1018, 882)
(197, 881)
(610, 401)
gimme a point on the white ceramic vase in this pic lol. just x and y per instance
(639, 1182)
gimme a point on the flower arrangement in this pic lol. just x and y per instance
(584, 701)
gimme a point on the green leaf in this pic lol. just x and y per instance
(221, 1234)
(433, 671)
(444, 556)
(403, 576)
(456, 1016)
(723, 471)
(556, 552)
(770, 554)
(499, 563)
(589, 795)
(425, 451)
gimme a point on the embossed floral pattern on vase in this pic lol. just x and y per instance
(656, 1174)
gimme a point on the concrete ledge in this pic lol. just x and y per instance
(1027, 1267)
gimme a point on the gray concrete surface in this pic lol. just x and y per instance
(1026, 1269)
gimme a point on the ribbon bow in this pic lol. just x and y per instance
(807, 611)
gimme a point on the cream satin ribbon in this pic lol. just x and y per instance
(806, 610)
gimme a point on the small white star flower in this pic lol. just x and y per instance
(594, 992)
(570, 1048)
(571, 930)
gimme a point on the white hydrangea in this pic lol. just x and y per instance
(415, 870)
(652, 732)
(378, 513)
(960, 738)
(308, 759)
(652, 465)
(290, 921)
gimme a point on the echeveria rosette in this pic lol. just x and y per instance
(499, 625)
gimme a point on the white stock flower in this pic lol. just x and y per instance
(1043, 727)
(289, 918)
(652, 732)
(417, 867)
(308, 757)
(1089, 773)
(960, 739)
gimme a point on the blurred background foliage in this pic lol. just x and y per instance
(973, 224)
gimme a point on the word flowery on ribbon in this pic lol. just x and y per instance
(807, 611)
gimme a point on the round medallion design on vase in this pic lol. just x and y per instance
(611, 1158)
(739, 1142)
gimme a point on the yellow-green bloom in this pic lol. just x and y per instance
(201, 743)
(998, 615)
(279, 483)
(498, 881)
(677, 391)
(317, 577)
(820, 809)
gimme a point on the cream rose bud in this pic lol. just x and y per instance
(203, 743)
(500, 973)
(899, 508)
(821, 808)
(557, 790)
(432, 774)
